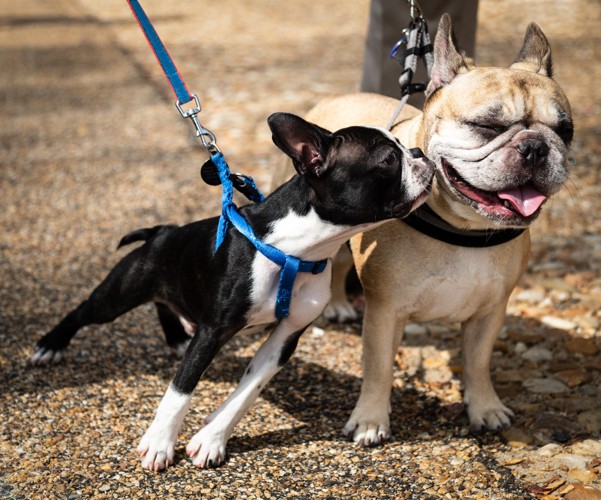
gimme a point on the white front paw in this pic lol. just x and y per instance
(340, 311)
(488, 413)
(367, 431)
(207, 448)
(156, 449)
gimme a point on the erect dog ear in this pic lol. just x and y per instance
(535, 54)
(449, 59)
(307, 144)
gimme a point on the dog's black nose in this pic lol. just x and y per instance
(416, 153)
(534, 151)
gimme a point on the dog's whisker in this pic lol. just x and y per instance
(573, 190)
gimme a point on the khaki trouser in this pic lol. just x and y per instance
(388, 18)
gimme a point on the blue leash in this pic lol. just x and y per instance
(289, 265)
(175, 79)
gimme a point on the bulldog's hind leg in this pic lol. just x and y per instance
(126, 287)
(175, 334)
(369, 423)
(484, 408)
(339, 307)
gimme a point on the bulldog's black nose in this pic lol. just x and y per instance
(534, 151)
(416, 153)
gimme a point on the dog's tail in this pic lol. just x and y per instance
(139, 235)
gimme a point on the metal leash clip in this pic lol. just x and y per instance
(413, 45)
(207, 137)
(396, 53)
(418, 22)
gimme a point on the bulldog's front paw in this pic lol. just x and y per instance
(367, 431)
(488, 414)
(156, 449)
(340, 311)
(207, 448)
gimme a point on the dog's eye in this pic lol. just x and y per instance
(390, 159)
(487, 128)
(565, 130)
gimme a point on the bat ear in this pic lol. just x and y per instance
(449, 59)
(307, 144)
(535, 54)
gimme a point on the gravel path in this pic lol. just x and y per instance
(92, 147)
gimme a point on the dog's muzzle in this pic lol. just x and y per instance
(533, 151)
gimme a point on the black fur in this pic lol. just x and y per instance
(349, 178)
(289, 347)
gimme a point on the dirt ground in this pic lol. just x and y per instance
(92, 147)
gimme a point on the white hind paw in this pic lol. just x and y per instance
(43, 356)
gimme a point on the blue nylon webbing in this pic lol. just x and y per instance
(176, 81)
(229, 212)
(290, 265)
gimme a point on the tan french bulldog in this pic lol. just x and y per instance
(499, 138)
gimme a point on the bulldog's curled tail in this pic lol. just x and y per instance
(142, 234)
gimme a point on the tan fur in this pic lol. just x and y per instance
(408, 276)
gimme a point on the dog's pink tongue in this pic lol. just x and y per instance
(525, 199)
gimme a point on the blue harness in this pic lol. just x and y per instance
(289, 265)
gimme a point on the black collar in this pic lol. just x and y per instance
(426, 221)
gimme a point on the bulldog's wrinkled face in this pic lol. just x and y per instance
(499, 136)
(507, 152)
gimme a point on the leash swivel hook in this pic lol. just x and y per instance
(208, 138)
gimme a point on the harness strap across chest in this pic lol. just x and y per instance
(289, 264)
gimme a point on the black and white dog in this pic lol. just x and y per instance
(349, 181)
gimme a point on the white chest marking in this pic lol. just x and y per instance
(307, 237)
